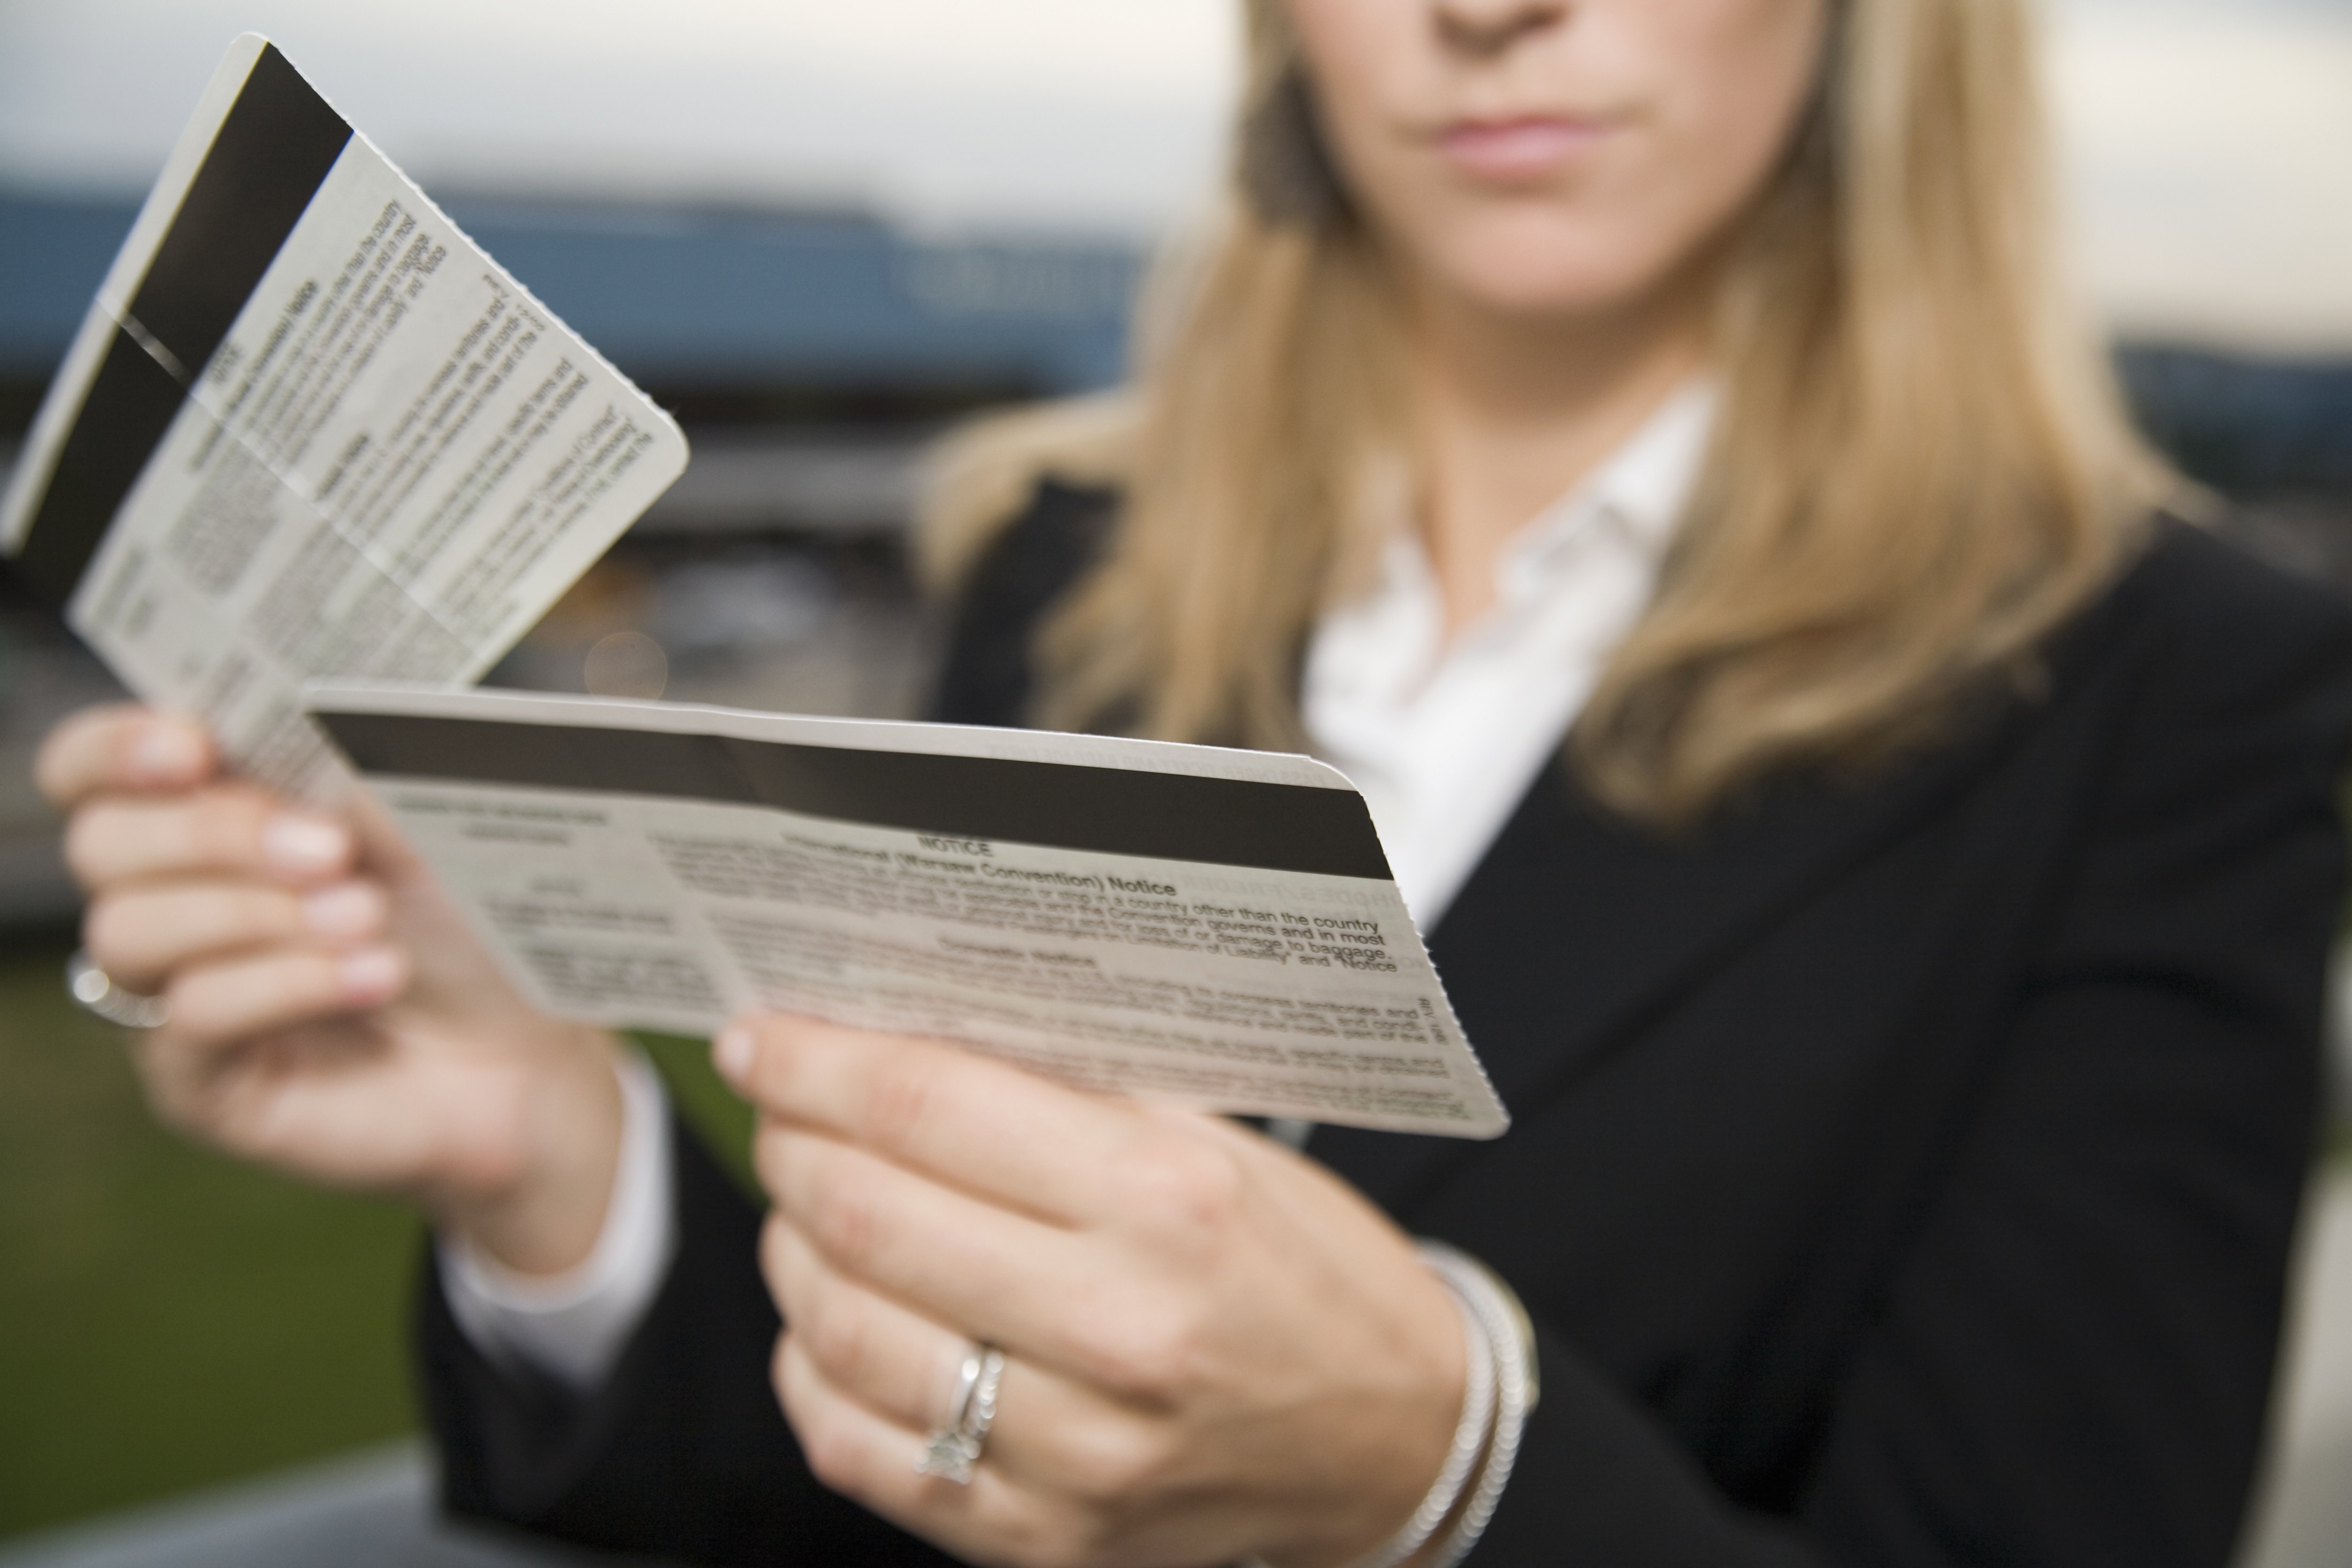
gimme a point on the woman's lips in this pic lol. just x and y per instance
(1522, 149)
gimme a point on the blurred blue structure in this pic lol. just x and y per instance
(705, 300)
(2247, 427)
(712, 306)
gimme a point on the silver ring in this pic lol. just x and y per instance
(951, 1451)
(102, 993)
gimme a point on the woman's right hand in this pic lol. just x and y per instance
(330, 1015)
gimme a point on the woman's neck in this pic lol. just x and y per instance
(1514, 411)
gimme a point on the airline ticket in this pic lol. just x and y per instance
(1213, 926)
(309, 429)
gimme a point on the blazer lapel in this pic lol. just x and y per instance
(1578, 928)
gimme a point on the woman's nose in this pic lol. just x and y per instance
(1481, 28)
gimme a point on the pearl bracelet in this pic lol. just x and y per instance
(1512, 1339)
(1497, 1395)
(1470, 1435)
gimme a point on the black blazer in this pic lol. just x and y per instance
(1902, 1169)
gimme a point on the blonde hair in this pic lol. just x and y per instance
(1921, 466)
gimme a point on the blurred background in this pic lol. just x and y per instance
(821, 232)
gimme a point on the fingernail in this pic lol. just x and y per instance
(344, 912)
(731, 1053)
(166, 754)
(371, 975)
(302, 845)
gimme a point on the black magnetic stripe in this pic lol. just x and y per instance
(133, 400)
(1163, 817)
(272, 151)
(267, 162)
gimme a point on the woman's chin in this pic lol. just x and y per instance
(1538, 262)
(1545, 289)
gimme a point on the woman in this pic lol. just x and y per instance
(1905, 976)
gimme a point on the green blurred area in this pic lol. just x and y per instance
(170, 1319)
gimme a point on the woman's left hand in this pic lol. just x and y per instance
(1214, 1347)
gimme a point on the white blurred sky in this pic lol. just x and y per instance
(2208, 143)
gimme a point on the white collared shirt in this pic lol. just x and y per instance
(574, 1324)
(1442, 738)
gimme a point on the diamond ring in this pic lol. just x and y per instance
(100, 993)
(954, 1448)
